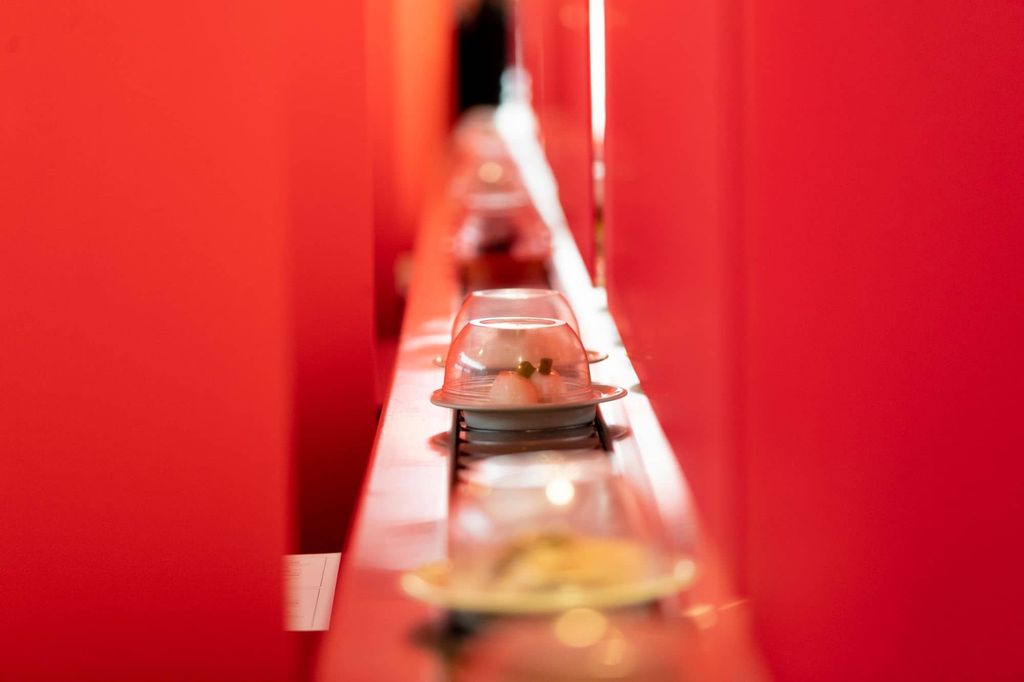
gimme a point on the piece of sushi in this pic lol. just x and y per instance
(514, 387)
(549, 384)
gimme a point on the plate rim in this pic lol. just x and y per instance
(417, 585)
(601, 393)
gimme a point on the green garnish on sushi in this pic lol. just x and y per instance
(525, 369)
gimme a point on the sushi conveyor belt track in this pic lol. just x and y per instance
(377, 631)
(465, 443)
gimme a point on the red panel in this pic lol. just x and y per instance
(832, 343)
(144, 416)
(411, 107)
(886, 165)
(671, 242)
(330, 208)
(555, 48)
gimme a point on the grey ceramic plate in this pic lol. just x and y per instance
(538, 416)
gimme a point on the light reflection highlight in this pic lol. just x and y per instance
(685, 571)
(580, 628)
(702, 615)
(490, 171)
(614, 657)
(560, 491)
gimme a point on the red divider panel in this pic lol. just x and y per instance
(411, 101)
(814, 234)
(331, 213)
(555, 50)
(145, 418)
(884, 213)
(672, 241)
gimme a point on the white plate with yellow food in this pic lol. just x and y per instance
(550, 572)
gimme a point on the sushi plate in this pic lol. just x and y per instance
(480, 415)
(435, 584)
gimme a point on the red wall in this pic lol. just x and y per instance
(145, 409)
(186, 250)
(814, 218)
(884, 209)
(410, 53)
(332, 241)
(555, 50)
(672, 241)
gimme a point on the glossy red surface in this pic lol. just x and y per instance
(672, 240)
(813, 231)
(555, 50)
(145, 407)
(178, 190)
(884, 213)
(330, 216)
(410, 58)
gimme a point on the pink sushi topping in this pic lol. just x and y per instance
(512, 388)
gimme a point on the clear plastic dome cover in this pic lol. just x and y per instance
(569, 492)
(546, 523)
(489, 184)
(514, 303)
(517, 232)
(516, 361)
(476, 134)
(484, 174)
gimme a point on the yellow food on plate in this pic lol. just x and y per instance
(552, 561)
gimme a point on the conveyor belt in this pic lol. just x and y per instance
(464, 443)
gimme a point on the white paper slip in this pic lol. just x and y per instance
(309, 582)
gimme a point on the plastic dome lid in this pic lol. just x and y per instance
(482, 184)
(514, 303)
(517, 232)
(476, 134)
(516, 361)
